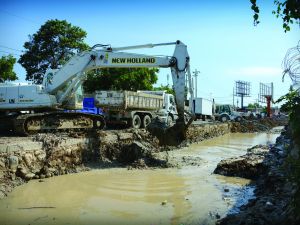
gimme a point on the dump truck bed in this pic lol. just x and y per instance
(128, 100)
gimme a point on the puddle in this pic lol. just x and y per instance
(190, 195)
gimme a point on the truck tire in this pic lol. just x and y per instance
(146, 121)
(136, 121)
(224, 118)
(238, 119)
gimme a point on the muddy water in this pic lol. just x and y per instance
(186, 195)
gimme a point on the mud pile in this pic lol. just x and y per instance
(125, 147)
(248, 166)
(196, 133)
(180, 135)
(169, 135)
(274, 191)
(261, 125)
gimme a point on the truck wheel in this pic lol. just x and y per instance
(136, 121)
(146, 121)
(238, 119)
(224, 118)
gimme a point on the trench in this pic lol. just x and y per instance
(188, 194)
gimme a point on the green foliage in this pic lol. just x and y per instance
(292, 107)
(166, 88)
(6, 68)
(264, 109)
(253, 106)
(132, 79)
(292, 101)
(52, 45)
(255, 9)
(288, 10)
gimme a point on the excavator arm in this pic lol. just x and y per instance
(43, 104)
(73, 73)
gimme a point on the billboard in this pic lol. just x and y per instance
(265, 90)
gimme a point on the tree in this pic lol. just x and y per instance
(6, 68)
(288, 10)
(166, 88)
(51, 46)
(121, 79)
(253, 106)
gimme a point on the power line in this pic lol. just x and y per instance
(9, 53)
(20, 17)
(11, 48)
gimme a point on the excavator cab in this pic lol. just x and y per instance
(75, 101)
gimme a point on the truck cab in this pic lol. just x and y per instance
(168, 112)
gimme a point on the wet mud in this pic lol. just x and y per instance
(185, 193)
(274, 201)
(46, 155)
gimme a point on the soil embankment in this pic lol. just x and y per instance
(275, 192)
(46, 155)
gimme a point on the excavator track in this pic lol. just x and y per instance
(28, 124)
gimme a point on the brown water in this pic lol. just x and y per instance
(192, 194)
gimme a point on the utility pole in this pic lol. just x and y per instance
(196, 72)
(168, 75)
(233, 97)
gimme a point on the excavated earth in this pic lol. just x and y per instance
(45, 155)
(275, 191)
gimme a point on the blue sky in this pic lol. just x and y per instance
(222, 42)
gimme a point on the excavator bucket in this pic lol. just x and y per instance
(170, 135)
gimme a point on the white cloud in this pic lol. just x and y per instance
(255, 71)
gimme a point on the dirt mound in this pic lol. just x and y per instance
(247, 166)
(49, 141)
(169, 135)
(261, 125)
(127, 146)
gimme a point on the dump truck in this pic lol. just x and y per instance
(136, 109)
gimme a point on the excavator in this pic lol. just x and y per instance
(29, 109)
